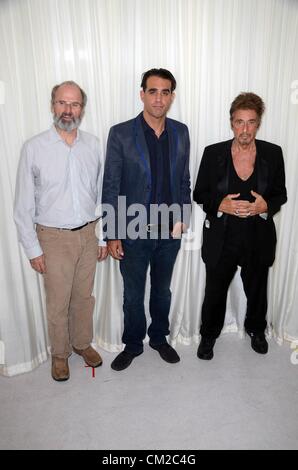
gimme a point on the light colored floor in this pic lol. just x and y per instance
(239, 400)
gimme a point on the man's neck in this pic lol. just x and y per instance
(244, 148)
(157, 124)
(68, 137)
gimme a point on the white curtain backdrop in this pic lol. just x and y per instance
(216, 49)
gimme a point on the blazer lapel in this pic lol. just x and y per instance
(141, 146)
(262, 170)
(223, 169)
(173, 149)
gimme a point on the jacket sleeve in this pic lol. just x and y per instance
(185, 184)
(111, 184)
(278, 193)
(203, 192)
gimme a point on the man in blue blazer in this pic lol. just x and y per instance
(241, 185)
(147, 171)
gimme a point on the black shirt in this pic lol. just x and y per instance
(158, 149)
(240, 231)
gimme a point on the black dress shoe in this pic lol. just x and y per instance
(123, 360)
(205, 349)
(166, 352)
(259, 343)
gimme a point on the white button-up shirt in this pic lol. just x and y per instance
(57, 185)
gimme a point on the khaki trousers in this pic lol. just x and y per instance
(70, 259)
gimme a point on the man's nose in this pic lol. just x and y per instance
(158, 96)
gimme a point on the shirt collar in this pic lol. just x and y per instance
(56, 137)
(147, 128)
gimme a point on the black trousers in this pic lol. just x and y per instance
(254, 276)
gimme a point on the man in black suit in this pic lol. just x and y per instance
(147, 163)
(241, 185)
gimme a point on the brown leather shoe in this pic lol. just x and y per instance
(90, 356)
(60, 369)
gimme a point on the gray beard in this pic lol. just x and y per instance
(66, 126)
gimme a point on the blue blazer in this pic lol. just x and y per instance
(127, 167)
(212, 186)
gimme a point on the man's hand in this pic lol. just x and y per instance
(102, 253)
(38, 264)
(259, 206)
(115, 249)
(178, 229)
(239, 208)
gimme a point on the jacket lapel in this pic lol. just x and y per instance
(262, 170)
(141, 146)
(223, 169)
(173, 149)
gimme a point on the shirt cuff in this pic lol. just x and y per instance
(264, 215)
(219, 213)
(99, 233)
(33, 252)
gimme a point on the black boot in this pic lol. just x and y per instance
(205, 349)
(259, 343)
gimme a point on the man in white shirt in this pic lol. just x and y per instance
(58, 188)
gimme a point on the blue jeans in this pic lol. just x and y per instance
(161, 255)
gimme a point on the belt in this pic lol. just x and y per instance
(158, 228)
(81, 226)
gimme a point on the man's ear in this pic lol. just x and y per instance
(142, 93)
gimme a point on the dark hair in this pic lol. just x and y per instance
(69, 82)
(162, 73)
(247, 100)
